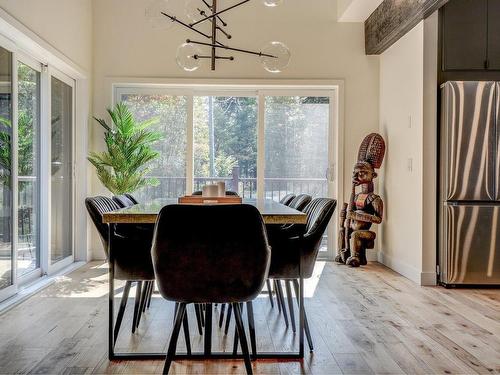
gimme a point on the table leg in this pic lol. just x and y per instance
(111, 297)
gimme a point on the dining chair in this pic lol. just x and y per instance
(287, 199)
(228, 192)
(146, 232)
(199, 256)
(293, 257)
(132, 263)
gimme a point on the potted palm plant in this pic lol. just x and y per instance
(123, 167)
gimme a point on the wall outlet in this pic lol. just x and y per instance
(410, 165)
(409, 121)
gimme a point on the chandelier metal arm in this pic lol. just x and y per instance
(210, 7)
(215, 14)
(175, 19)
(230, 48)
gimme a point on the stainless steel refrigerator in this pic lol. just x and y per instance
(469, 251)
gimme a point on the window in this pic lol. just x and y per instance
(225, 142)
(262, 143)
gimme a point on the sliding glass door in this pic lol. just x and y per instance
(61, 173)
(262, 143)
(28, 151)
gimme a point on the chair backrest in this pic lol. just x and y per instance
(300, 201)
(96, 207)
(228, 192)
(215, 253)
(287, 199)
(124, 200)
(319, 212)
(131, 198)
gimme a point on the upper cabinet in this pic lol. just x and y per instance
(471, 35)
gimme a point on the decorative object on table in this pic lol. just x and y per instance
(124, 166)
(274, 56)
(199, 199)
(221, 185)
(364, 208)
(210, 190)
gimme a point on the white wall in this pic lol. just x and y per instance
(59, 33)
(126, 46)
(65, 24)
(408, 86)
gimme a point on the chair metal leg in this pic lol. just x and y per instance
(270, 292)
(179, 317)
(251, 328)
(235, 342)
(142, 306)
(277, 296)
(228, 318)
(121, 311)
(288, 286)
(185, 325)
(306, 324)
(282, 301)
(137, 304)
(150, 294)
(197, 310)
(208, 329)
(242, 337)
(221, 317)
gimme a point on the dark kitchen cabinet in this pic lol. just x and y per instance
(494, 34)
(465, 34)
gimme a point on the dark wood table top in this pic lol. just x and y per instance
(146, 213)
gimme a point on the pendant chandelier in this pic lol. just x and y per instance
(274, 56)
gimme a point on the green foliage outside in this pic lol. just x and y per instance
(124, 166)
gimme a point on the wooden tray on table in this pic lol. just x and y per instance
(198, 199)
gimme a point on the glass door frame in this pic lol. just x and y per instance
(37, 66)
(335, 130)
(47, 191)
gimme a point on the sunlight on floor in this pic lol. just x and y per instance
(95, 284)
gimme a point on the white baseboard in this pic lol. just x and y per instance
(400, 267)
(428, 278)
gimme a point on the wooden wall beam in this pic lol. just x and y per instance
(393, 19)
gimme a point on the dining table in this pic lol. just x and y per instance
(273, 213)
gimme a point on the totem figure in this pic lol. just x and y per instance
(364, 208)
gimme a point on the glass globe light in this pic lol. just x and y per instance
(272, 3)
(193, 8)
(154, 16)
(187, 57)
(278, 59)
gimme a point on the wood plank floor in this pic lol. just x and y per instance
(364, 321)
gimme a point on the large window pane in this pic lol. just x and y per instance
(27, 151)
(225, 142)
(296, 140)
(6, 250)
(61, 171)
(170, 167)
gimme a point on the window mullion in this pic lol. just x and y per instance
(190, 146)
(261, 155)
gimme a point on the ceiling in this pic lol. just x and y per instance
(355, 10)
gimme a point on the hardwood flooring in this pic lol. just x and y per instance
(363, 321)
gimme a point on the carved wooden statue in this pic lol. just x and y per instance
(365, 207)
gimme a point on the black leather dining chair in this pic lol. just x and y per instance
(132, 262)
(228, 192)
(287, 199)
(201, 255)
(291, 253)
(146, 233)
